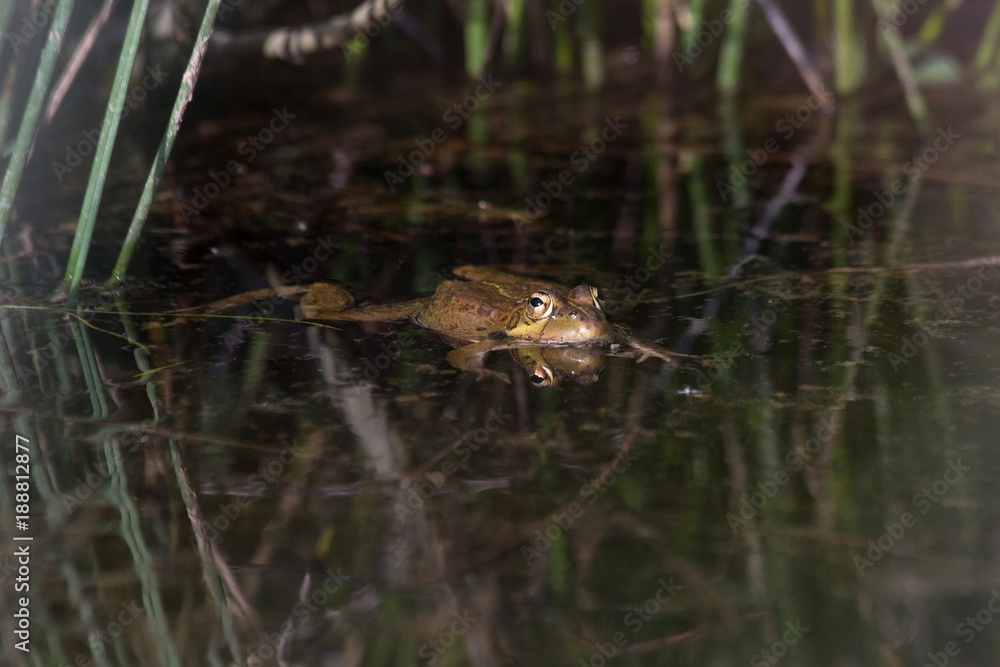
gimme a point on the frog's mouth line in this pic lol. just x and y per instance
(517, 319)
(541, 334)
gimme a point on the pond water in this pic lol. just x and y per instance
(814, 485)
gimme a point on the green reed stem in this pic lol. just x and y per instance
(6, 9)
(592, 58)
(696, 9)
(4, 114)
(513, 37)
(849, 52)
(102, 156)
(904, 72)
(477, 29)
(184, 95)
(36, 99)
(731, 51)
(991, 37)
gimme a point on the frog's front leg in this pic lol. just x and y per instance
(646, 348)
(470, 358)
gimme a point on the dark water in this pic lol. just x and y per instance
(815, 486)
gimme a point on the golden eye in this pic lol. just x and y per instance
(541, 376)
(598, 298)
(539, 306)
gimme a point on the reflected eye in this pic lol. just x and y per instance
(541, 376)
(538, 306)
(598, 298)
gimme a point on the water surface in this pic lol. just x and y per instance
(815, 485)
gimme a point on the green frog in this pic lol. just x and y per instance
(490, 310)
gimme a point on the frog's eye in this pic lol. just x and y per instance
(541, 376)
(539, 306)
(598, 298)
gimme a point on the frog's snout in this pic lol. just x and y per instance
(589, 326)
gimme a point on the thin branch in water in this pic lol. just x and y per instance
(76, 61)
(785, 33)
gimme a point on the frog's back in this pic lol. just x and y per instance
(466, 310)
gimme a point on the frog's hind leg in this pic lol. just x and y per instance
(324, 301)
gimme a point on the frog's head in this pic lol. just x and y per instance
(549, 316)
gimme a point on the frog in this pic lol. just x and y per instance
(488, 310)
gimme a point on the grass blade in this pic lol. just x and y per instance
(849, 48)
(904, 71)
(29, 121)
(476, 32)
(166, 144)
(731, 52)
(102, 156)
(990, 40)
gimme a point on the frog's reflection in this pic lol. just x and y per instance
(548, 366)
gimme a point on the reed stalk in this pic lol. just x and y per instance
(184, 95)
(36, 99)
(102, 156)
